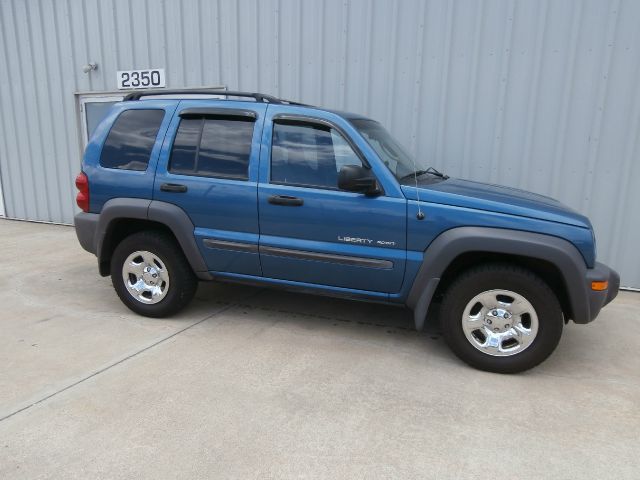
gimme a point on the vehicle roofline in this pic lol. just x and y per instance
(284, 103)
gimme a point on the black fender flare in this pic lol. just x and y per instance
(452, 243)
(168, 214)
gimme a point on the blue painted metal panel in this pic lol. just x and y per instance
(443, 212)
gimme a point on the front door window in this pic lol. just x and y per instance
(309, 155)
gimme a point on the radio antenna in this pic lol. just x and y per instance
(420, 214)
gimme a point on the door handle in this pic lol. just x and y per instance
(286, 200)
(173, 187)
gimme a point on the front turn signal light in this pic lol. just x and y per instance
(599, 286)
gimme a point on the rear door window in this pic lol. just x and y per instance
(212, 147)
(131, 138)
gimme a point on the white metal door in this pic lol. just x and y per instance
(93, 108)
(2, 214)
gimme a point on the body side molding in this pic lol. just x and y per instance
(228, 245)
(327, 257)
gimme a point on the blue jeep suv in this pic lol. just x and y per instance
(251, 188)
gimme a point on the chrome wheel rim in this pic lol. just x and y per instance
(500, 323)
(145, 277)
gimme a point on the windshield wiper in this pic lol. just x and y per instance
(436, 173)
(417, 173)
(430, 171)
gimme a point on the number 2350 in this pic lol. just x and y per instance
(142, 78)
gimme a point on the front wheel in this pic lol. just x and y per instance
(501, 318)
(151, 274)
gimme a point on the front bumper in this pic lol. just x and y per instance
(598, 299)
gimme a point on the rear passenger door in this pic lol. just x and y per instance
(209, 167)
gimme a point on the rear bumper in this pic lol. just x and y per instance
(86, 226)
(598, 299)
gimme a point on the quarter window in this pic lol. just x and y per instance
(131, 138)
(212, 147)
(309, 155)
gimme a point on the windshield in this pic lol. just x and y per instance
(388, 149)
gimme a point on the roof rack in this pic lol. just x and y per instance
(259, 97)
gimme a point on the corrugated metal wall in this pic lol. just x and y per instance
(542, 95)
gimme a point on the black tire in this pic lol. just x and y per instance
(183, 283)
(502, 277)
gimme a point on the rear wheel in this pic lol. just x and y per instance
(501, 318)
(151, 274)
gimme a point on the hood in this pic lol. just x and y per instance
(494, 198)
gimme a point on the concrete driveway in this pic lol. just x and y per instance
(251, 383)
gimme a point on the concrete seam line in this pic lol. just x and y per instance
(128, 357)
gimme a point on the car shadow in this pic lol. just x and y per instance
(321, 310)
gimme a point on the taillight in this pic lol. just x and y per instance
(82, 199)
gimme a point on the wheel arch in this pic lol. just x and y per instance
(123, 216)
(555, 260)
(543, 268)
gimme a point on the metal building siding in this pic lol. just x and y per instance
(541, 95)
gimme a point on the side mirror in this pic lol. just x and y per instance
(354, 178)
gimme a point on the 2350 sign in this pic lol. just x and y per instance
(152, 78)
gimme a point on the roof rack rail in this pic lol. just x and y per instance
(259, 97)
